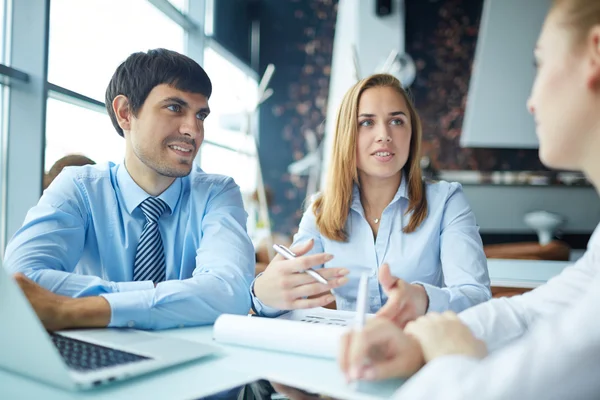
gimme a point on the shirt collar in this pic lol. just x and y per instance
(133, 195)
(402, 192)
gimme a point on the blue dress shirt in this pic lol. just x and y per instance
(445, 253)
(81, 238)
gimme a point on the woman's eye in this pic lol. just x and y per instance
(366, 122)
(174, 107)
(397, 122)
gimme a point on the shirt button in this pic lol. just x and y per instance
(131, 324)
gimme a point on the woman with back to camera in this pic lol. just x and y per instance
(544, 344)
(419, 242)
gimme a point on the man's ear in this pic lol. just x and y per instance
(593, 48)
(122, 111)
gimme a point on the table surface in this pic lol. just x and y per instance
(233, 366)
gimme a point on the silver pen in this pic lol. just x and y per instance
(290, 255)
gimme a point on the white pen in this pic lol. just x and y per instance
(361, 302)
(290, 255)
(360, 317)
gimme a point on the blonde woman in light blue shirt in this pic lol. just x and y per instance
(418, 241)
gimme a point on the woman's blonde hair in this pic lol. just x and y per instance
(580, 15)
(333, 207)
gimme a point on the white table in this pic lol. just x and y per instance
(234, 366)
(523, 273)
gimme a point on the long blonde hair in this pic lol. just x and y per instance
(580, 15)
(333, 207)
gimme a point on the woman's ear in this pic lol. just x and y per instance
(122, 111)
(593, 49)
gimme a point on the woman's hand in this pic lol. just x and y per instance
(406, 301)
(284, 286)
(380, 350)
(444, 334)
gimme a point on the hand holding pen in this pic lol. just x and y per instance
(291, 283)
(376, 349)
(290, 255)
(360, 318)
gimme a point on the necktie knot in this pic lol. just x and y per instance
(153, 208)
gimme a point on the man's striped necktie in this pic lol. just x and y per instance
(150, 262)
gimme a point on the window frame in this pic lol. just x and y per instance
(25, 89)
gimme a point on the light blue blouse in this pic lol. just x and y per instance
(445, 253)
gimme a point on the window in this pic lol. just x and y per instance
(240, 166)
(89, 39)
(3, 125)
(72, 129)
(229, 147)
(181, 5)
(233, 96)
(3, 151)
(3, 35)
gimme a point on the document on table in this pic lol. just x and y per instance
(320, 315)
(314, 332)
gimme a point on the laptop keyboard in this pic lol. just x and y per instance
(85, 356)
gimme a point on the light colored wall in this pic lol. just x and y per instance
(502, 76)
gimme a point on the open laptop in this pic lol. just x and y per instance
(80, 359)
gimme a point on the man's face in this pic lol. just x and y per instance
(165, 136)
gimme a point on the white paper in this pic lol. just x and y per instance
(279, 334)
(314, 332)
(320, 315)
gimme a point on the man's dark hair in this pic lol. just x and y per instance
(141, 72)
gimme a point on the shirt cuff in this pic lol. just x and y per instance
(130, 309)
(445, 371)
(448, 362)
(438, 297)
(135, 285)
(259, 308)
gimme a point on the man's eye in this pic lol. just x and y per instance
(201, 116)
(174, 107)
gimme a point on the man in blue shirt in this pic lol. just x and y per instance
(152, 242)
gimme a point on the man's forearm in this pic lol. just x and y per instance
(87, 312)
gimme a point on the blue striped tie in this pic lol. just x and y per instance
(150, 262)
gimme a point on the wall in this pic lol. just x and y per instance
(441, 37)
(500, 80)
(297, 37)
